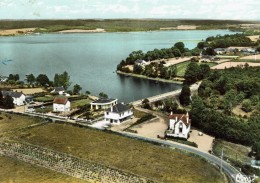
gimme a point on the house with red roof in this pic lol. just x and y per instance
(61, 104)
(179, 126)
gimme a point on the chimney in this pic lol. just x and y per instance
(171, 113)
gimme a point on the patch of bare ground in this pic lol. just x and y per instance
(234, 64)
(29, 91)
(254, 38)
(238, 111)
(251, 57)
(9, 32)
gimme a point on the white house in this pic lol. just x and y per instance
(60, 90)
(61, 104)
(141, 63)
(179, 126)
(118, 113)
(103, 103)
(18, 97)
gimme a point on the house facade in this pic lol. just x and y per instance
(61, 104)
(18, 97)
(103, 104)
(179, 126)
(118, 113)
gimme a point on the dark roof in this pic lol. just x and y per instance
(103, 101)
(58, 89)
(12, 94)
(118, 108)
(183, 117)
(60, 100)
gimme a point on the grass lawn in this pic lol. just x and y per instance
(234, 152)
(46, 98)
(12, 170)
(46, 109)
(155, 162)
(79, 103)
(181, 67)
(13, 122)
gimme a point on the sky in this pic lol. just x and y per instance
(106, 9)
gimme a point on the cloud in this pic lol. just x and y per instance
(200, 9)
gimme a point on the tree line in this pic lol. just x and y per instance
(219, 94)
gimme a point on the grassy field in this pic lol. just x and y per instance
(80, 103)
(181, 67)
(234, 152)
(124, 153)
(12, 122)
(12, 170)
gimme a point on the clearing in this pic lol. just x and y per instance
(234, 64)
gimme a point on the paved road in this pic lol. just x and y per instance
(193, 87)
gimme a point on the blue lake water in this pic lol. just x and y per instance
(91, 59)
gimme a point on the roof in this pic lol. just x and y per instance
(103, 101)
(118, 108)
(12, 94)
(60, 100)
(183, 117)
(58, 89)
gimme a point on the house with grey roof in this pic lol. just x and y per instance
(118, 113)
(103, 103)
(18, 97)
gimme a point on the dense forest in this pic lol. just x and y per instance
(219, 94)
(114, 25)
(227, 40)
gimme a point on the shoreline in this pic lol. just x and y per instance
(149, 78)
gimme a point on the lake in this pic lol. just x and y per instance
(91, 59)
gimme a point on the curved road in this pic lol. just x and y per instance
(226, 167)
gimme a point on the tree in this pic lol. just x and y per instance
(201, 45)
(30, 79)
(62, 80)
(204, 71)
(256, 150)
(209, 51)
(180, 46)
(1, 99)
(43, 80)
(137, 69)
(146, 104)
(8, 102)
(247, 105)
(192, 73)
(185, 95)
(76, 89)
(103, 95)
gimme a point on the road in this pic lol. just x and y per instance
(193, 87)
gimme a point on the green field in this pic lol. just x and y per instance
(123, 153)
(12, 122)
(80, 103)
(234, 152)
(181, 67)
(12, 170)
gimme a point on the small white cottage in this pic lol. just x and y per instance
(179, 125)
(118, 113)
(18, 97)
(61, 104)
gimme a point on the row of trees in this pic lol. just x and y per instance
(177, 50)
(196, 72)
(156, 70)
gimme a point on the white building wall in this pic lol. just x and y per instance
(61, 107)
(116, 116)
(19, 101)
